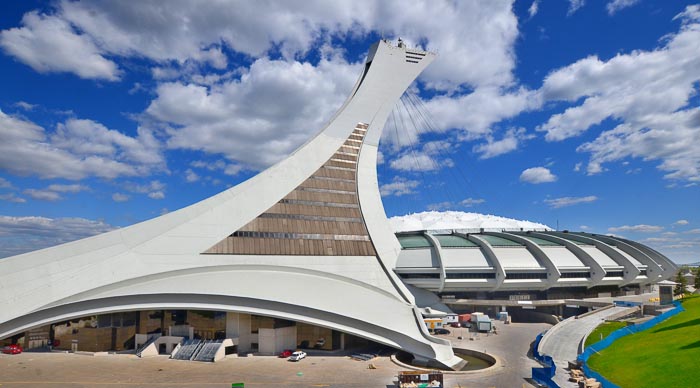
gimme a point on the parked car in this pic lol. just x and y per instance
(286, 353)
(296, 356)
(455, 324)
(441, 331)
(12, 349)
(320, 343)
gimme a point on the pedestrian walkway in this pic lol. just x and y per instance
(562, 341)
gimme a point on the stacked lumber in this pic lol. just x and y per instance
(589, 383)
(579, 378)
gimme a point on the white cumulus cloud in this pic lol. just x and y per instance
(575, 5)
(82, 36)
(75, 150)
(120, 197)
(648, 92)
(534, 7)
(12, 197)
(53, 192)
(557, 203)
(398, 186)
(24, 234)
(191, 176)
(510, 142)
(258, 119)
(51, 44)
(537, 175)
(469, 202)
(208, 111)
(642, 228)
(154, 189)
(616, 5)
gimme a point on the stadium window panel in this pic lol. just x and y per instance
(475, 275)
(526, 275)
(614, 274)
(569, 275)
(420, 275)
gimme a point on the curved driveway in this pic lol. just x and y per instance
(562, 341)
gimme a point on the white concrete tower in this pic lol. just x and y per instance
(305, 240)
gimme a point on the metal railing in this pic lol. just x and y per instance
(188, 349)
(208, 351)
(543, 375)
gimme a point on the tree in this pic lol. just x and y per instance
(697, 278)
(682, 283)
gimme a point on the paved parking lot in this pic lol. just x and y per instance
(75, 370)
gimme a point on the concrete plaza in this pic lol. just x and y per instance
(30, 369)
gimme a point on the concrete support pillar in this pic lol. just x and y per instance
(238, 326)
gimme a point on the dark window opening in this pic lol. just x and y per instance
(614, 274)
(420, 275)
(569, 275)
(527, 275)
(476, 275)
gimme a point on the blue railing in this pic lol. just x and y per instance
(543, 375)
(625, 303)
(619, 333)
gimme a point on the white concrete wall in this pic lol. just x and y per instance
(273, 341)
(221, 352)
(181, 331)
(238, 326)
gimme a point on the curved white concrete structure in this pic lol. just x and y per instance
(501, 260)
(305, 240)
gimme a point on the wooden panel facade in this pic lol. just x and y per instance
(320, 217)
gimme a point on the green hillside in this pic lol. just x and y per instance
(667, 355)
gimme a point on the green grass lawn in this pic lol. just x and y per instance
(605, 329)
(667, 355)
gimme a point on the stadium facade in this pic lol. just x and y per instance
(302, 252)
(502, 261)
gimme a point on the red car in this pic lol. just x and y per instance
(286, 353)
(12, 349)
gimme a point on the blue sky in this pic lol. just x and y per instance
(584, 115)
